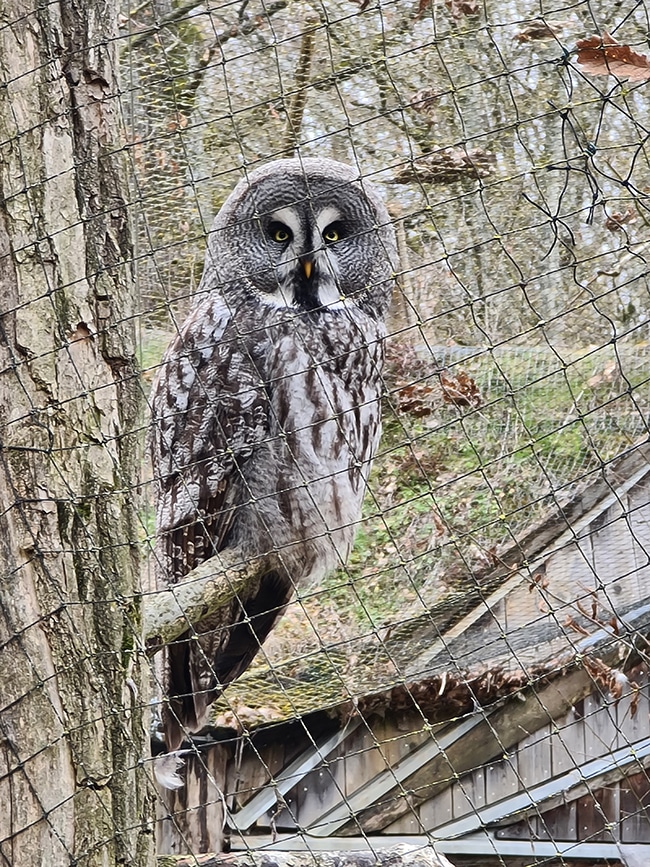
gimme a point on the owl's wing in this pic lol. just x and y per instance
(209, 413)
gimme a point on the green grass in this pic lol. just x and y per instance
(456, 484)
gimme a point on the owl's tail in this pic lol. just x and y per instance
(199, 666)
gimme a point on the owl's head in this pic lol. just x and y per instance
(304, 234)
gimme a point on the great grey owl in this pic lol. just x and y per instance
(266, 407)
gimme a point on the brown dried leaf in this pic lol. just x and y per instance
(570, 623)
(606, 677)
(615, 222)
(446, 165)
(539, 579)
(414, 399)
(424, 101)
(634, 701)
(460, 389)
(536, 30)
(603, 55)
(460, 8)
(178, 121)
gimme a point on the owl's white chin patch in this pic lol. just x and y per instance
(280, 298)
(323, 282)
(329, 294)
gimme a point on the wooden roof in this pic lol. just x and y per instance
(574, 587)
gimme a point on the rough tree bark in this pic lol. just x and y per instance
(73, 787)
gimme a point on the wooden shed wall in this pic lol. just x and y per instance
(596, 726)
(597, 572)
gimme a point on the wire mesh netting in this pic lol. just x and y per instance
(474, 672)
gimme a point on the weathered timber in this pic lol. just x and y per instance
(488, 740)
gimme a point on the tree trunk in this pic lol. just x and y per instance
(73, 787)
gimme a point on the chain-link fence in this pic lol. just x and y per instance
(474, 675)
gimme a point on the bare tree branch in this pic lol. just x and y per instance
(296, 107)
(243, 28)
(169, 613)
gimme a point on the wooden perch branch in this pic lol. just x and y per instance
(171, 612)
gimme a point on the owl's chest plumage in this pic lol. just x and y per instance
(322, 379)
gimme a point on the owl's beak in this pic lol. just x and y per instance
(307, 267)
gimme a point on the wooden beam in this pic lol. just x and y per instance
(558, 529)
(289, 777)
(490, 739)
(608, 496)
(384, 782)
(499, 731)
(483, 843)
(583, 779)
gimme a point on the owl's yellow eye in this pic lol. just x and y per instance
(331, 235)
(279, 233)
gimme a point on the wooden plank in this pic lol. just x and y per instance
(570, 571)
(289, 777)
(568, 741)
(432, 752)
(321, 788)
(191, 818)
(489, 737)
(468, 793)
(633, 710)
(249, 770)
(436, 811)
(639, 518)
(363, 759)
(397, 735)
(596, 773)
(483, 843)
(598, 814)
(594, 817)
(501, 779)
(534, 757)
(615, 561)
(559, 823)
(600, 725)
(635, 808)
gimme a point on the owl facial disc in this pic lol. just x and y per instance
(300, 241)
(303, 234)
